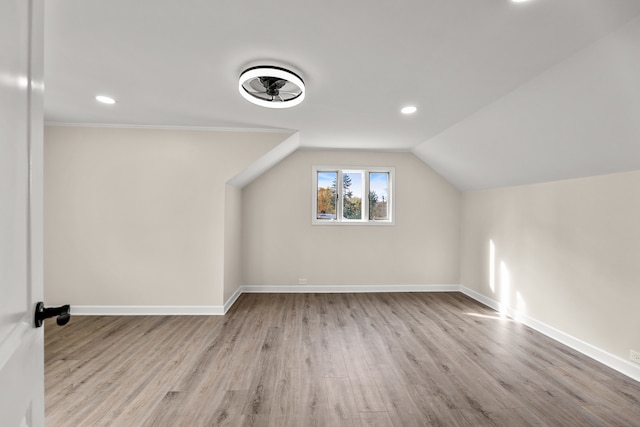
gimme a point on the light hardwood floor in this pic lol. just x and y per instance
(402, 359)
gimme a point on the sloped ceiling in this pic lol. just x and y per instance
(579, 118)
(507, 93)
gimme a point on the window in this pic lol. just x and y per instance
(356, 195)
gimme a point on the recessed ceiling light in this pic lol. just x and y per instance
(105, 99)
(271, 87)
(519, 1)
(409, 109)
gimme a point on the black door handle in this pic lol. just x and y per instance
(44, 313)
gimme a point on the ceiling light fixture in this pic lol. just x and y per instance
(105, 99)
(410, 109)
(271, 87)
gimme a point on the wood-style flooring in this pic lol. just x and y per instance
(419, 359)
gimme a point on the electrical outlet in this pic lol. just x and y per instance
(302, 281)
(634, 356)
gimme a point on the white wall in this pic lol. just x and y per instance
(232, 241)
(280, 245)
(138, 216)
(567, 254)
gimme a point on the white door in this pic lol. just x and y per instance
(21, 87)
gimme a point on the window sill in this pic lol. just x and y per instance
(358, 223)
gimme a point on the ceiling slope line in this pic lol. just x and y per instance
(266, 162)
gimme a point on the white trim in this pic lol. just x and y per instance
(167, 127)
(216, 310)
(229, 303)
(318, 289)
(482, 299)
(619, 364)
(147, 310)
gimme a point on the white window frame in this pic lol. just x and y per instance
(339, 220)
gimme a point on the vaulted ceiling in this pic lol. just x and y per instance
(507, 93)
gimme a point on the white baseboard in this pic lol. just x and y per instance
(216, 310)
(334, 289)
(619, 364)
(232, 300)
(146, 310)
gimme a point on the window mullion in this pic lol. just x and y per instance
(365, 197)
(339, 192)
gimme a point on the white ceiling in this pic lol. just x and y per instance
(507, 93)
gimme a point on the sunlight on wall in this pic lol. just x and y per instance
(502, 286)
(492, 266)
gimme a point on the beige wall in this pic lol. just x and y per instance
(145, 217)
(232, 241)
(567, 254)
(138, 216)
(280, 245)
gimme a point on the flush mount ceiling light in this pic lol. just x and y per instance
(271, 87)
